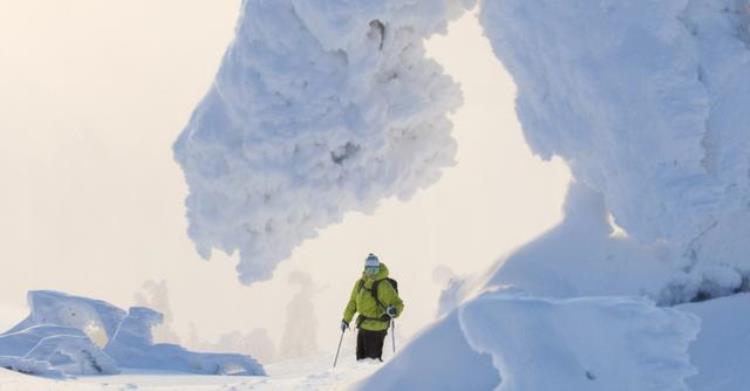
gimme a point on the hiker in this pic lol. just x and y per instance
(375, 297)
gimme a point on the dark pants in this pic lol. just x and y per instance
(370, 344)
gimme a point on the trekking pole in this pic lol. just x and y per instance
(393, 334)
(339, 348)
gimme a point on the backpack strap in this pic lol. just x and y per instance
(374, 292)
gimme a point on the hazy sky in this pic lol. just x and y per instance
(94, 92)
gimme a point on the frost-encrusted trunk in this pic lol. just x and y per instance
(646, 101)
(320, 107)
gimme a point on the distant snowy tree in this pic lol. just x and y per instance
(300, 332)
(155, 295)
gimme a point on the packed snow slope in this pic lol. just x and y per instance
(320, 107)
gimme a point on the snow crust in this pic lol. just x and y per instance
(320, 107)
(70, 335)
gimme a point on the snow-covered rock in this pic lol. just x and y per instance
(320, 107)
(70, 335)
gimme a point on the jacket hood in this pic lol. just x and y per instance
(381, 274)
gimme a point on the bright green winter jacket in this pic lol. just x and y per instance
(362, 301)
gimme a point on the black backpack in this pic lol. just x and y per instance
(374, 288)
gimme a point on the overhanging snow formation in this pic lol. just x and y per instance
(647, 103)
(320, 107)
(70, 335)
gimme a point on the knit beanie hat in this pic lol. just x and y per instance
(372, 261)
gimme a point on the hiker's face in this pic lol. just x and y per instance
(372, 270)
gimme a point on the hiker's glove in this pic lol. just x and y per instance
(344, 325)
(391, 311)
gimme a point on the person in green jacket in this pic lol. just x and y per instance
(377, 302)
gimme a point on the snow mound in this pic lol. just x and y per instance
(646, 101)
(54, 351)
(70, 335)
(537, 303)
(319, 108)
(439, 358)
(72, 355)
(88, 315)
(605, 343)
(593, 343)
(30, 367)
(582, 256)
(133, 347)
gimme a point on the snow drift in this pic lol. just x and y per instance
(603, 343)
(70, 335)
(319, 108)
(569, 306)
(53, 351)
(439, 358)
